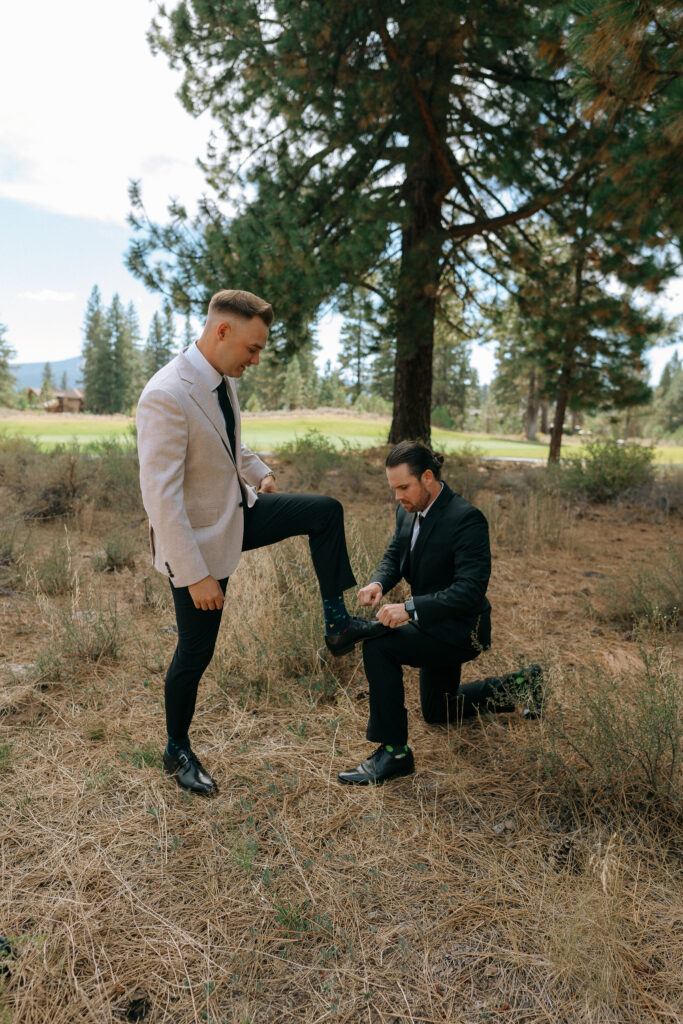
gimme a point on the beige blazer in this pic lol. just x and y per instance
(192, 487)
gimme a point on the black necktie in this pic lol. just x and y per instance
(228, 413)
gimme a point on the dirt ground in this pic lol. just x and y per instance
(488, 885)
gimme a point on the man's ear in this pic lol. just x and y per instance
(427, 477)
(224, 329)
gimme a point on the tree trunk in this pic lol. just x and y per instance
(531, 411)
(544, 417)
(558, 421)
(418, 283)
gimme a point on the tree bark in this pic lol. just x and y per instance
(416, 304)
(558, 421)
(427, 181)
(531, 411)
(544, 417)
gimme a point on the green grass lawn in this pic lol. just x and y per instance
(268, 433)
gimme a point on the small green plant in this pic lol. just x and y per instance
(95, 729)
(5, 756)
(311, 456)
(292, 917)
(143, 755)
(243, 851)
(607, 469)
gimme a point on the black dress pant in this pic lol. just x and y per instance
(274, 517)
(442, 698)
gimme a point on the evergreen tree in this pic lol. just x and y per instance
(7, 378)
(169, 327)
(159, 348)
(332, 390)
(356, 136)
(628, 65)
(189, 333)
(585, 343)
(123, 360)
(453, 373)
(47, 385)
(64, 383)
(139, 376)
(668, 406)
(97, 355)
(293, 385)
(360, 338)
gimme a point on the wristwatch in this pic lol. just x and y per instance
(410, 608)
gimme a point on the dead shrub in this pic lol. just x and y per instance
(622, 738)
(119, 553)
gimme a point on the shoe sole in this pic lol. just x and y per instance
(377, 782)
(339, 652)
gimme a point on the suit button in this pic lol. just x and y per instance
(240, 504)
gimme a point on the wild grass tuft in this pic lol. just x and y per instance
(119, 553)
(89, 631)
(622, 738)
(54, 574)
(652, 595)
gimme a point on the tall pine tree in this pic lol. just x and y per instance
(159, 348)
(97, 366)
(360, 338)
(353, 136)
(123, 359)
(7, 378)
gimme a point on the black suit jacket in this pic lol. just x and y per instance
(448, 569)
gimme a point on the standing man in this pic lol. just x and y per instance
(208, 498)
(441, 547)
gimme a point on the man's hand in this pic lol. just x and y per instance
(207, 594)
(393, 615)
(370, 596)
(267, 485)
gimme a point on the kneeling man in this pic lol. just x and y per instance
(441, 547)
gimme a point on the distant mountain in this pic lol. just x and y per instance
(30, 375)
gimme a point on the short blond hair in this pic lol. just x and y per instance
(246, 304)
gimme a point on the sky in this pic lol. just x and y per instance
(86, 107)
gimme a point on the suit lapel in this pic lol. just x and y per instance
(232, 395)
(406, 534)
(428, 525)
(206, 401)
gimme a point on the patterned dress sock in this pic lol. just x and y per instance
(397, 751)
(336, 616)
(173, 747)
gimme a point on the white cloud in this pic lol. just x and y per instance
(45, 295)
(91, 108)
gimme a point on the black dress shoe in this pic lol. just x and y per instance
(358, 630)
(379, 767)
(189, 773)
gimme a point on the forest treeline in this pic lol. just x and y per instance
(117, 361)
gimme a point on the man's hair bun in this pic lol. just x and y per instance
(418, 456)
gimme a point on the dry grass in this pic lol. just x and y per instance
(479, 889)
